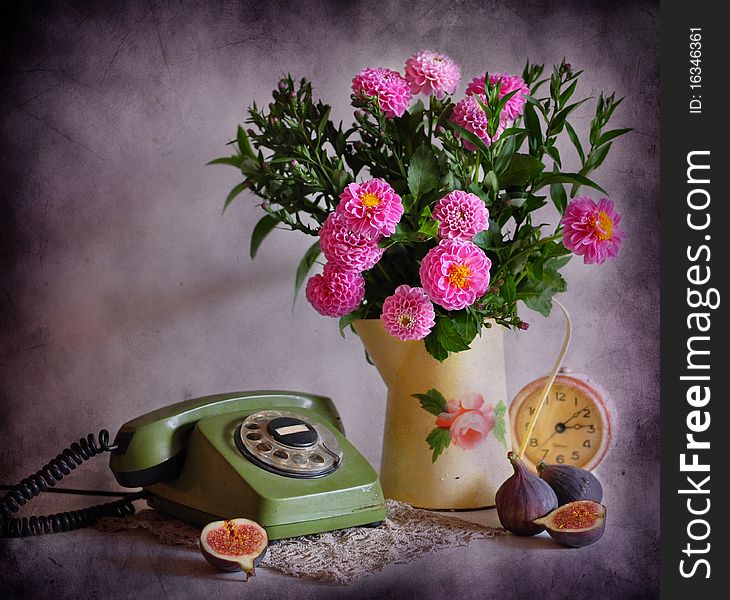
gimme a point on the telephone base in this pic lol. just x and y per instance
(365, 516)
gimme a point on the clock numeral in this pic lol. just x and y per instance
(533, 442)
(575, 401)
(587, 444)
(586, 413)
(545, 453)
(560, 459)
(532, 410)
(591, 429)
(575, 455)
(560, 396)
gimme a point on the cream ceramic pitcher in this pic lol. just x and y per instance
(461, 477)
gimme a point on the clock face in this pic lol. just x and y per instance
(573, 427)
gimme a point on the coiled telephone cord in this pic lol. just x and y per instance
(47, 477)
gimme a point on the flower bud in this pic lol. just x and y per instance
(524, 325)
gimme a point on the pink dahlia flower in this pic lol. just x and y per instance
(371, 208)
(516, 104)
(469, 114)
(469, 421)
(592, 230)
(388, 86)
(346, 249)
(455, 273)
(408, 314)
(432, 73)
(335, 292)
(461, 215)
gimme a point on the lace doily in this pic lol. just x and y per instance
(341, 556)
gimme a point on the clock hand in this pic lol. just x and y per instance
(575, 414)
(561, 427)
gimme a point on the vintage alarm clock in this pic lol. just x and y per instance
(574, 426)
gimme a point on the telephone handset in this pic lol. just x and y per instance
(279, 458)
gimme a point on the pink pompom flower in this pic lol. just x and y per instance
(434, 73)
(509, 83)
(461, 215)
(388, 86)
(469, 114)
(592, 230)
(408, 314)
(469, 421)
(371, 208)
(335, 292)
(455, 273)
(346, 249)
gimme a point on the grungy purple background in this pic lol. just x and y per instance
(124, 289)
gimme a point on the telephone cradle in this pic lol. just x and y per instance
(279, 458)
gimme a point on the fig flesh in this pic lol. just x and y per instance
(522, 498)
(234, 545)
(570, 484)
(576, 524)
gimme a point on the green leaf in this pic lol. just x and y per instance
(576, 142)
(438, 440)
(234, 161)
(609, 135)
(559, 197)
(350, 319)
(323, 122)
(244, 145)
(554, 153)
(423, 172)
(492, 184)
(565, 96)
(532, 124)
(444, 338)
(522, 169)
(433, 401)
(477, 190)
(551, 178)
(596, 158)
(505, 154)
(233, 193)
(249, 166)
(260, 231)
(305, 265)
(508, 290)
(500, 425)
(558, 121)
(487, 240)
(466, 325)
(475, 140)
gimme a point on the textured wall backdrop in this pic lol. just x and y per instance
(124, 289)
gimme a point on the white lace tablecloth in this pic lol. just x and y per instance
(341, 556)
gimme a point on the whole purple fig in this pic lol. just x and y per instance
(522, 498)
(571, 484)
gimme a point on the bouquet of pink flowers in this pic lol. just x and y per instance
(424, 213)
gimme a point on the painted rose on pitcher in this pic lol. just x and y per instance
(469, 421)
(466, 422)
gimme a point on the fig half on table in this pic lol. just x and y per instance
(575, 524)
(234, 545)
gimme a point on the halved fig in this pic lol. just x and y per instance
(234, 545)
(575, 524)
